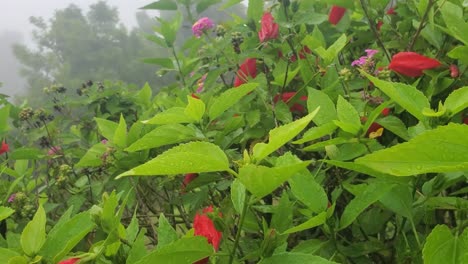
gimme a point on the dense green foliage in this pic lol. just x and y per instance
(277, 142)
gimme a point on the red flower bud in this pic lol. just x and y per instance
(247, 69)
(4, 148)
(336, 13)
(269, 28)
(454, 71)
(189, 177)
(69, 261)
(412, 64)
(379, 24)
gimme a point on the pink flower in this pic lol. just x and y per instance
(104, 141)
(370, 52)
(269, 28)
(54, 150)
(359, 62)
(69, 261)
(201, 83)
(202, 25)
(12, 198)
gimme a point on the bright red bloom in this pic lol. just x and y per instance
(454, 71)
(4, 148)
(286, 98)
(379, 24)
(391, 11)
(247, 69)
(269, 28)
(69, 261)
(412, 64)
(189, 177)
(204, 226)
(336, 13)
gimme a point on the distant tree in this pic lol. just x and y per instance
(13, 84)
(73, 47)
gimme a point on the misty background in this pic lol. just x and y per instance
(67, 42)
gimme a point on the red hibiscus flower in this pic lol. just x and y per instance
(4, 148)
(286, 97)
(204, 226)
(69, 261)
(189, 177)
(269, 28)
(412, 64)
(336, 13)
(247, 69)
(374, 127)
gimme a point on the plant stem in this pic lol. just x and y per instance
(421, 25)
(239, 228)
(374, 29)
(182, 78)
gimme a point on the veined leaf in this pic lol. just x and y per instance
(195, 108)
(312, 222)
(174, 115)
(163, 135)
(229, 98)
(317, 98)
(34, 234)
(443, 247)
(457, 101)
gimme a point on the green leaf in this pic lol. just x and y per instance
(143, 97)
(106, 127)
(295, 258)
(457, 101)
(460, 53)
(255, 9)
(60, 241)
(205, 4)
(7, 254)
(5, 212)
(331, 53)
(162, 5)
(93, 157)
(34, 234)
(442, 247)
(195, 108)
(308, 191)
(280, 136)
(443, 149)
(166, 233)
(317, 132)
(282, 218)
(163, 135)
(312, 222)
(237, 195)
(185, 250)
(120, 135)
(334, 141)
(163, 62)
(361, 169)
(138, 250)
(26, 154)
(4, 116)
(174, 115)
(407, 96)
(453, 17)
(348, 115)
(394, 125)
(371, 194)
(193, 157)
(229, 98)
(318, 98)
(261, 180)
(399, 200)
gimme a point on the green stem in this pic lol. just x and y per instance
(239, 228)
(182, 78)
(421, 25)
(374, 29)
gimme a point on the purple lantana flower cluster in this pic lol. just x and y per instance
(364, 59)
(201, 26)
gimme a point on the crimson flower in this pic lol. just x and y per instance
(204, 226)
(286, 98)
(269, 28)
(69, 261)
(189, 177)
(391, 11)
(374, 127)
(336, 13)
(247, 69)
(412, 64)
(4, 148)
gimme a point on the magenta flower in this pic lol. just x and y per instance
(359, 62)
(365, 59)
(55, 150)
(12, 198)
(201, 83)
(370, 52)
(201, 26)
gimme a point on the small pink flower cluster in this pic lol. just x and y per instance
(201, 26)
(364, 59)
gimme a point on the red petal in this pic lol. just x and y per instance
(247, 69)
(412, 64)
(336, 13)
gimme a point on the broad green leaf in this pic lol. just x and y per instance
(407, 96)
(374, 115)
(443, 247)
(238, 195)
(308, 191)
(371, 194)
(460, 53)
(143, 97)
(26, 154)
(34, 234)
(348, 115)
(317, 132)
(229, 98)
(280, 136)
(93, 157)
(5, 212)
(399, 200)
(331, 53)
(4, 116)
(166, 233)
(312, 222)
(195, 108)
(295, 258)
(169, 29)
(162, 5)
(443, 149)
(106, 127)
(261, 180)
(7, 254)
(185, 250)
(453, 17)
(255, 10)
(163, 135)
(163, 62)
(205, 4)
(120, 136)
(284, 75)
(193, 157)
(60, 241)
(333, 141)
(318, 98)
(394, 125)
(174, 115)
(138, 250)
(457, 101)
(282, 218)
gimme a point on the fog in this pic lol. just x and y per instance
(16, 28)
